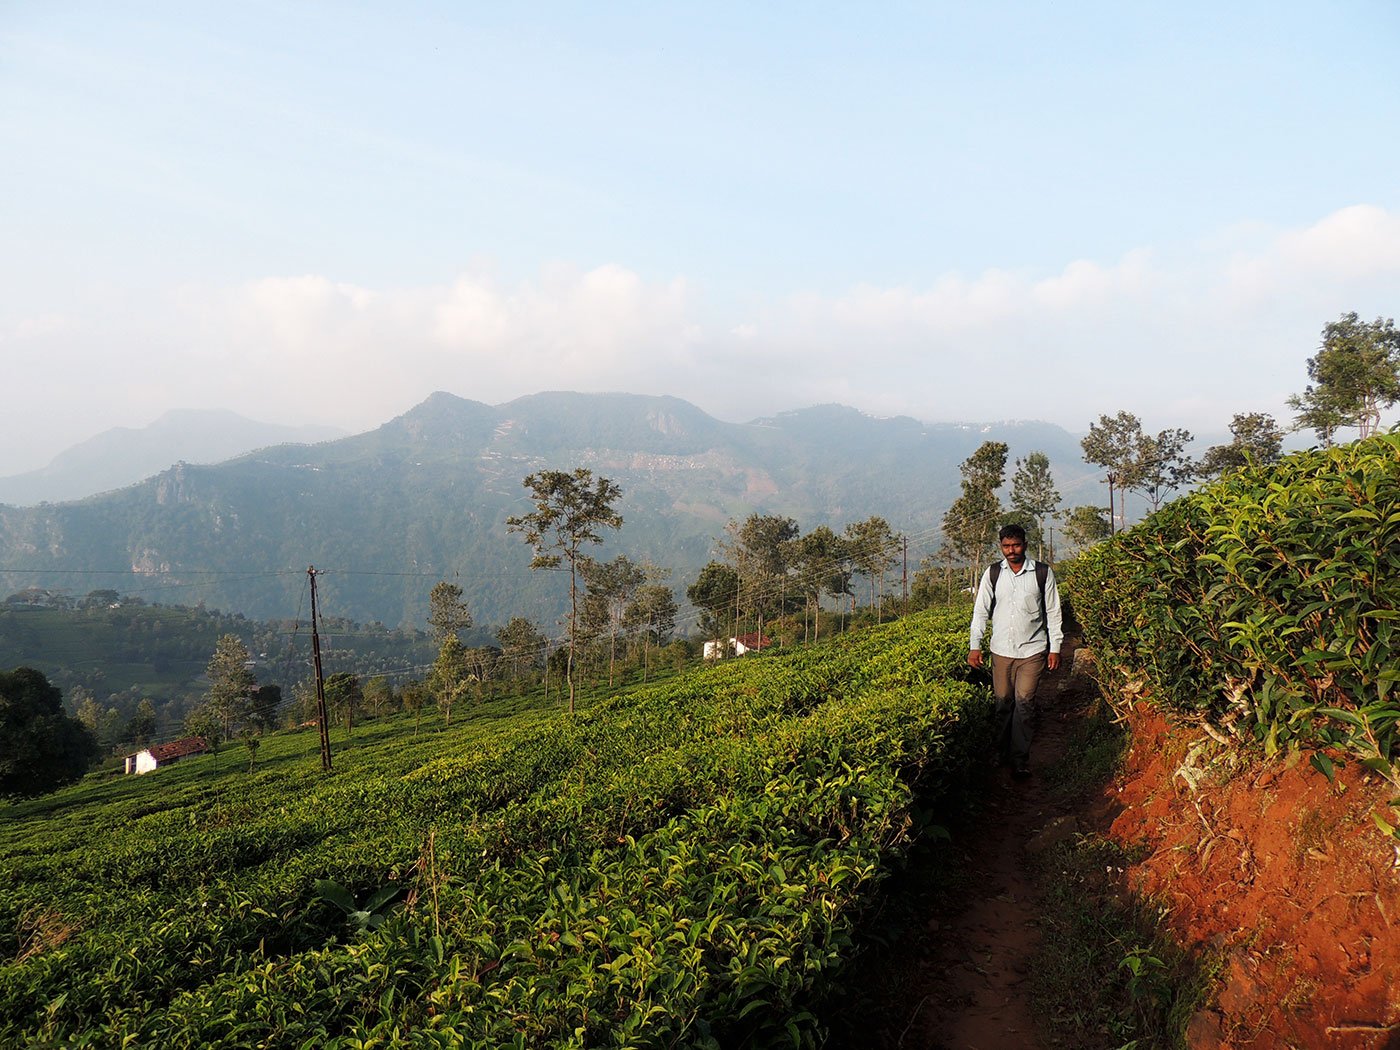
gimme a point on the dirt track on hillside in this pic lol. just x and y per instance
(960, 980)
(1264, 866)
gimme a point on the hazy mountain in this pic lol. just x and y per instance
(387, 513)
(124, 455)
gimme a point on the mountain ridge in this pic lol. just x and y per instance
(424, 497)
(122, 456)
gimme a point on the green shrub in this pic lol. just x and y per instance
(1267, 601)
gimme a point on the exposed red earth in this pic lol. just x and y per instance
(1262, 866)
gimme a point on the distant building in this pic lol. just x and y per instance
(163, 754)
(745, 643)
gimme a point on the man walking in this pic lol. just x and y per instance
(1022, 602)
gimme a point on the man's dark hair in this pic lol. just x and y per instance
(1012, 532)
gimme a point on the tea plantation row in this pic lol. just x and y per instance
(1265, 604)
(681, 865)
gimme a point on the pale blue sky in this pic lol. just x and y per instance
(323, 212)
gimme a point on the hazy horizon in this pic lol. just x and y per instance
(1014, 211)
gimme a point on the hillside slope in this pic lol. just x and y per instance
(124, 455)
(684, 864)
(388, 513)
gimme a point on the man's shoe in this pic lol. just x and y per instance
(1021, 771)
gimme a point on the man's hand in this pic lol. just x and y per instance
(974, 657)
(1052, 661)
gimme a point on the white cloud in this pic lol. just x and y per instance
(1180, 336)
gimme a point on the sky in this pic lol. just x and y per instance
(322, 213)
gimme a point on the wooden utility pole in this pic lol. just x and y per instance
(905, 540)
(320, 679)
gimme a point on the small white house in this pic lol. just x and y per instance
(745, 643)
(163, 754)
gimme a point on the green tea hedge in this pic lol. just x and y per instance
(686, 864)
(1265, 603)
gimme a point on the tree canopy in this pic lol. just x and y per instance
(970, 525)
(41, 748)
(231, 684)
(1115, 443)
(1163, 465)
(447, 612)
(571, 510)
(1034, 496)
(1355, 374)
(1254, 438)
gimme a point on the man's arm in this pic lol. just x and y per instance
(981, 609)
(1054, 623)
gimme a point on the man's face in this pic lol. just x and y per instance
(1014, 551)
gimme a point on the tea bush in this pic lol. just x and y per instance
(684, 864)
(1265, 603)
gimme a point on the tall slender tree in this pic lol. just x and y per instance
(522, 644)
(652, 611)
(610, 587)
(872, 545)
(970, 524)
(1034, 495)
(571, 510)
(1115, 444)
(447, 612)
(817, 561)
(231, 684)
(760, 551)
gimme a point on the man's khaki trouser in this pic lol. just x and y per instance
(1014, 682)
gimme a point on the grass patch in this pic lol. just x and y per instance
(1108, 973)
(1094, 753)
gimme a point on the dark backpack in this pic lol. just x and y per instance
(1042, 571)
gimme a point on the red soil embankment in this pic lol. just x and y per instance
(1281, 873)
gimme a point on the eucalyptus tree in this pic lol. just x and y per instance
(1254, 438)
(872, 545)
(610, 586)
(1355, 374)
(970, 524)
(571, 510)
(818, 563)
(651, 612)
(760, 551)
(715, 593)
(1115, 444)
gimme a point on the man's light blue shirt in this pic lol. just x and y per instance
(1018, 629)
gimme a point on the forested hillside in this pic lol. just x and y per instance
(425, 497)
(109, 652)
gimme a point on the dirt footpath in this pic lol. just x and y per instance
(961, 982)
